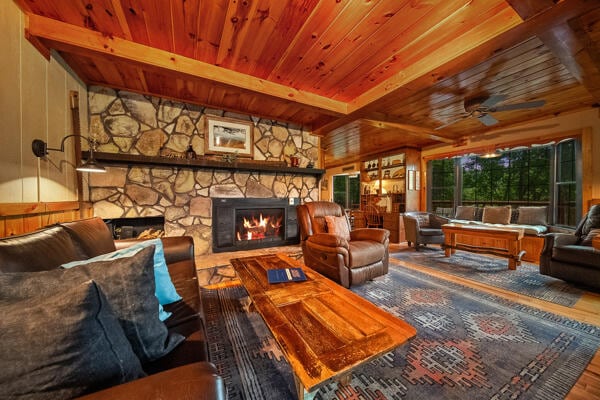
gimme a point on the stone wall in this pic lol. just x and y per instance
(125, 122)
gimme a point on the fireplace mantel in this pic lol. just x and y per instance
(203, 163)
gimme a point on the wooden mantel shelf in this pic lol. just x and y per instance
(202, 163)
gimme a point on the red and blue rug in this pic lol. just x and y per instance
(493, 271)
(469, 345)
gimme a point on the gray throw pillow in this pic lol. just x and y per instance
(587, 239)
(532, 216)
(128, 284)
(496, 215)
(592, 221)
(466, 213)
(63, 346)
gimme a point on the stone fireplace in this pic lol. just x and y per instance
(252, 223)
(128, 123)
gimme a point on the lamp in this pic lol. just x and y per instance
(40, 149)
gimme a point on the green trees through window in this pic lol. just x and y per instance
(540, 175)
(346, 191)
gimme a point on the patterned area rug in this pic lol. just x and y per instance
(493, 271)
(469, 345)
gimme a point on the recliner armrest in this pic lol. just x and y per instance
(374, 234)
(328, 240)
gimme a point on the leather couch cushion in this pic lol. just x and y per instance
(582, 255)
(91, 236)
(365, 252)
(129, 286)
(496, 215)
(74, 342)
(37, 251)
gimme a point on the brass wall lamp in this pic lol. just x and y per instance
(40, 149)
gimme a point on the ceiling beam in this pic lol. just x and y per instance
(78, 40)
(570, 43)
(541, 21)
(381, 120)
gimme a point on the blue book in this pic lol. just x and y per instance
(285, 275)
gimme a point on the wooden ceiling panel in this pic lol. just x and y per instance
(366, 75)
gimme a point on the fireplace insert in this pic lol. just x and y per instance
(252, 223)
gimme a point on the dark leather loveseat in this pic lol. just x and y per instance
(184, 373)
(571, 256)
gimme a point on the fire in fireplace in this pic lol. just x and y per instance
(250, 223)
(259, 225)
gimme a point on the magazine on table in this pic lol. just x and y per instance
(285, 275)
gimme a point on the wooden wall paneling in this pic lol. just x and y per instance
(135, 21)
(328, 51)
(186, 19)
(320, 20)
(422, 45)
(10, 117)
(413, 162)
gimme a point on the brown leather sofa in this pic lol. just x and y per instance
(349, 262)
(571, 256)
(184, 373)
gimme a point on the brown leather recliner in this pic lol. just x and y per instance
(348, 262)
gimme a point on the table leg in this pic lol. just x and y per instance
(448, 244)
(301, 392)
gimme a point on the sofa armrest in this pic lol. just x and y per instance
(375, 234)
(195, 381)
(552, 240)
(328, 240)
(436, 221)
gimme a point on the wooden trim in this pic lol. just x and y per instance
(587, 143)
(20, 209)
(577, 133)
(71, 38)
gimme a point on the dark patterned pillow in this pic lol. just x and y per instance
(128, 284)
(587, 239)
(533, 215)
(496, 215)
(466, 213)
(63, 346)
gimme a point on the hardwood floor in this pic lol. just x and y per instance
(587, 309)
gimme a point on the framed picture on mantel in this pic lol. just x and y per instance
(224, 135)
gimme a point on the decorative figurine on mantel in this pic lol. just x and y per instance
(229, 158)
(310, 164)
(190, 154)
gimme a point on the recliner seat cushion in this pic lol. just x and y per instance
(365, 252)
(430, 232)
(582, 255)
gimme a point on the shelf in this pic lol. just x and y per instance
(241, 165)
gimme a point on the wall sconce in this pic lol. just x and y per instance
(40, 149)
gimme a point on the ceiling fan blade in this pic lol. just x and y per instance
(493, 99)
(452, 122)
(519, 106)
(487, 120)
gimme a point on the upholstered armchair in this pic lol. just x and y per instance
(571, 256)
(422, 228)
(330, 248)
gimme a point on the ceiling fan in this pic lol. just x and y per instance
(481, 107)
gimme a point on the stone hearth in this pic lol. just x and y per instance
(129, 123)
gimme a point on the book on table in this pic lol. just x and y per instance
(285, 275)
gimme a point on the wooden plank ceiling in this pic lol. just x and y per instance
(367, 75)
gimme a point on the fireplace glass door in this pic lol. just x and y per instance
(259, 225)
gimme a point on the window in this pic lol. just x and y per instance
(346, 191)
(540, 175)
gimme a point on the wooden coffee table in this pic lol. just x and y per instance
(497, 241)
(323, 329)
